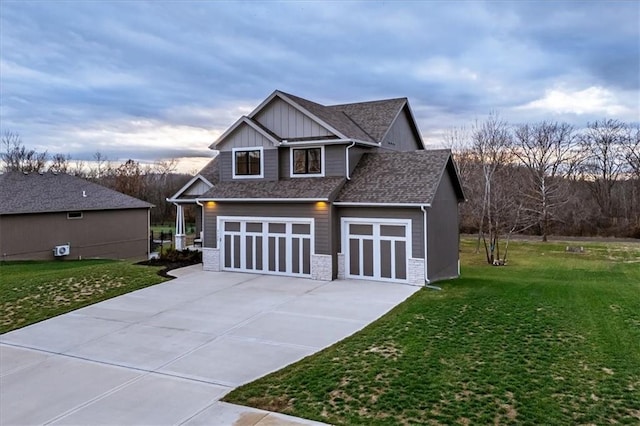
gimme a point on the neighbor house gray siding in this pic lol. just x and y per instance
(400, 136)
(244, 136)
(287, 122)
(113, 234)
(270, 165)
(319, 211)
(415, 214)
(443, 232)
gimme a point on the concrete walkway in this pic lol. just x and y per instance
(166, 354)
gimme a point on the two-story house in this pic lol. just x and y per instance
(325, 192)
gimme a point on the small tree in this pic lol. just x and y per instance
(18, 158)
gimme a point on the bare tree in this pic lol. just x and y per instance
(490, 142)
(604, 142)
(17, 157)
(549, 153)
(59, 163)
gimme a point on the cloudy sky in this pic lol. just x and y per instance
(162, 79)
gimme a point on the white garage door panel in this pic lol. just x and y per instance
(280, 246)
(376, 249)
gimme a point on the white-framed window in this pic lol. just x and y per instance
(307, 161)
(248, 163)
(74, 215)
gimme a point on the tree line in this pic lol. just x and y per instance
(151, 182)
(547, 178)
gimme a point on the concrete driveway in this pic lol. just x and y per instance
(167, 354)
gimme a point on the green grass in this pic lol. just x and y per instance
(32, 291)
(552, 338)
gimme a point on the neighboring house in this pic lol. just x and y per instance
(48, 215)
(341, 191)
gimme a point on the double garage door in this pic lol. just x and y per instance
(376, 249)
(279, 246)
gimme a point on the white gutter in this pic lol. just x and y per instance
(426, 266)
(285, 142)
(350, 204)
(261, 200)
(346, 162)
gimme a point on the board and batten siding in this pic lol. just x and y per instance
(443, 232)
(287, 122)
(319, 211)
(244, 136)
(400, 136)
(197, 188)
(415, 214)
(270, 165)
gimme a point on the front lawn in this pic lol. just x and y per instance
(552, 338)
(32, 291)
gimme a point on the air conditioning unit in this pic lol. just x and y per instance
(62, 250)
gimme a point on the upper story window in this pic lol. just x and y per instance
(248, 163)
(307, 161)
(74, 215)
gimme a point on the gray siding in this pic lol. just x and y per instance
(443, 232)
(318, 211)
(334, 160)
(270, 165)
(113, 234)
(355, 154)
(400, 137)
(287, 122)
(244, 136)
(415, 214)
(334, 157)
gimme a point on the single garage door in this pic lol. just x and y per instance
(376, 249)
(279, 246)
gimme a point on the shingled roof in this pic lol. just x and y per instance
(398, 178)
(211, 171)
(324, 188)
(48, 192)
(374, 117)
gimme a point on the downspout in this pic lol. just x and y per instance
(426, 266)
(347, 160)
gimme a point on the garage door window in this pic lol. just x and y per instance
(282, 247)
(376, 249)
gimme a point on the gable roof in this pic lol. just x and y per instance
(209, 175)
(307, 189)
(399, 178)
(364, 122)
(48, 192)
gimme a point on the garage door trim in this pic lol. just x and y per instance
(287, 239)
(376, 223)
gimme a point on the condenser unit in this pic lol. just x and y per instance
(61, 250)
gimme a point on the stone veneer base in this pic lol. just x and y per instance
(211, 259)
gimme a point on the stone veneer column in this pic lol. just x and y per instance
(321, 267)
(211, 259)
(415, 274)
(341, 270)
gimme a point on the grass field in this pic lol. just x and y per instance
(552, 338)
(32, 291)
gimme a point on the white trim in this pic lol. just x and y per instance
(350, 204)
(262, 200)
(187, 185)
(286, 142)
(304, 175)
(376, 238)
(244, 149)
(426, 245)
(243, 120)
(288, 236)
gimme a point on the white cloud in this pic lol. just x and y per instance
(592, 100)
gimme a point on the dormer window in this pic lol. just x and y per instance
(247, 163)
(307, 161)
